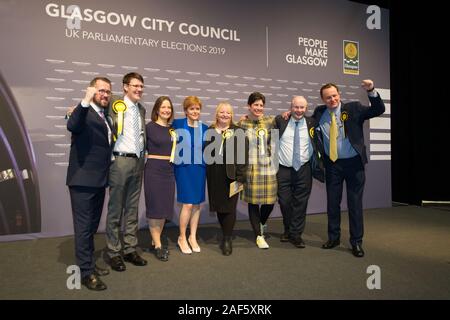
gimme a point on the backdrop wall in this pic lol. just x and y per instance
(215, 50)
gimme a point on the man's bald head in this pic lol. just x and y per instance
(299, 105)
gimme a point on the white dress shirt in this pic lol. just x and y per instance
(126, 141)
(286, 150)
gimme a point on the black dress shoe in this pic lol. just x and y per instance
(162, 254)
(93, 282)
(358, 251)
(117, 264)
(284, 237)
(100, 271)
(226, 246)
(298, 242)
(330, 244)
(135, 259)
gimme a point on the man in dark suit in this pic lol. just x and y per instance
(297, 148)
(342, 140)
(87, 175)
(127, 118)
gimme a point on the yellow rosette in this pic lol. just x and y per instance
(311, 133)
(344, 117)
(262, 133)
(225, 135)
(173, 137)
(119, 107)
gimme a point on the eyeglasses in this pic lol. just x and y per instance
(140, 86)
(103, 91)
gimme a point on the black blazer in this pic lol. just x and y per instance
(90, 152)
(234, 170)
(353, 126)
(316, 158)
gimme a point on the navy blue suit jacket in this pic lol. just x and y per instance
(90, 151)
(353, 126)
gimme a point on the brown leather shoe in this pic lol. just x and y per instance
(93, 282)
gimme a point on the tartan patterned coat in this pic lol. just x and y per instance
(261, 186)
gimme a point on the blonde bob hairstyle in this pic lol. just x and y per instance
(219, 106)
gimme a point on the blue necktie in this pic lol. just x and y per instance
(296, 153)
(137, 132)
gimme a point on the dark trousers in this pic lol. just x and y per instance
(352, 172)
(87, 206)
(294, 188)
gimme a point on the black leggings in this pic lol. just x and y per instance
(227, 221)
(259, 215)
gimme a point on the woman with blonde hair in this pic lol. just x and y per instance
(227, 168)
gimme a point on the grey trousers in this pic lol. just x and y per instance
(125, 181)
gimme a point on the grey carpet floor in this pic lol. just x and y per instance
(410, 245)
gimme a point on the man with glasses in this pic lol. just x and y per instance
(87, 175)
(127, 117)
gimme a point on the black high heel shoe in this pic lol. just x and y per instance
(162, 254)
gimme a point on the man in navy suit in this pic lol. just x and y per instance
(87, 175)
(342, 140)
(297, 154)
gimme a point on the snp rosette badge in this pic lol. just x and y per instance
(262, 134)
(227, 134)
(351, 57)
(119, 107)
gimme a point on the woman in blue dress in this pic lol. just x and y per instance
(190, 171)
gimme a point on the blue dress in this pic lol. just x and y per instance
(190, 170)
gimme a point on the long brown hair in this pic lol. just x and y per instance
(157, 106)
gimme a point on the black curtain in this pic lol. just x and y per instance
(420, 100)
(420, 107)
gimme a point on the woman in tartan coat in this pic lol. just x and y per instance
(260, 191)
